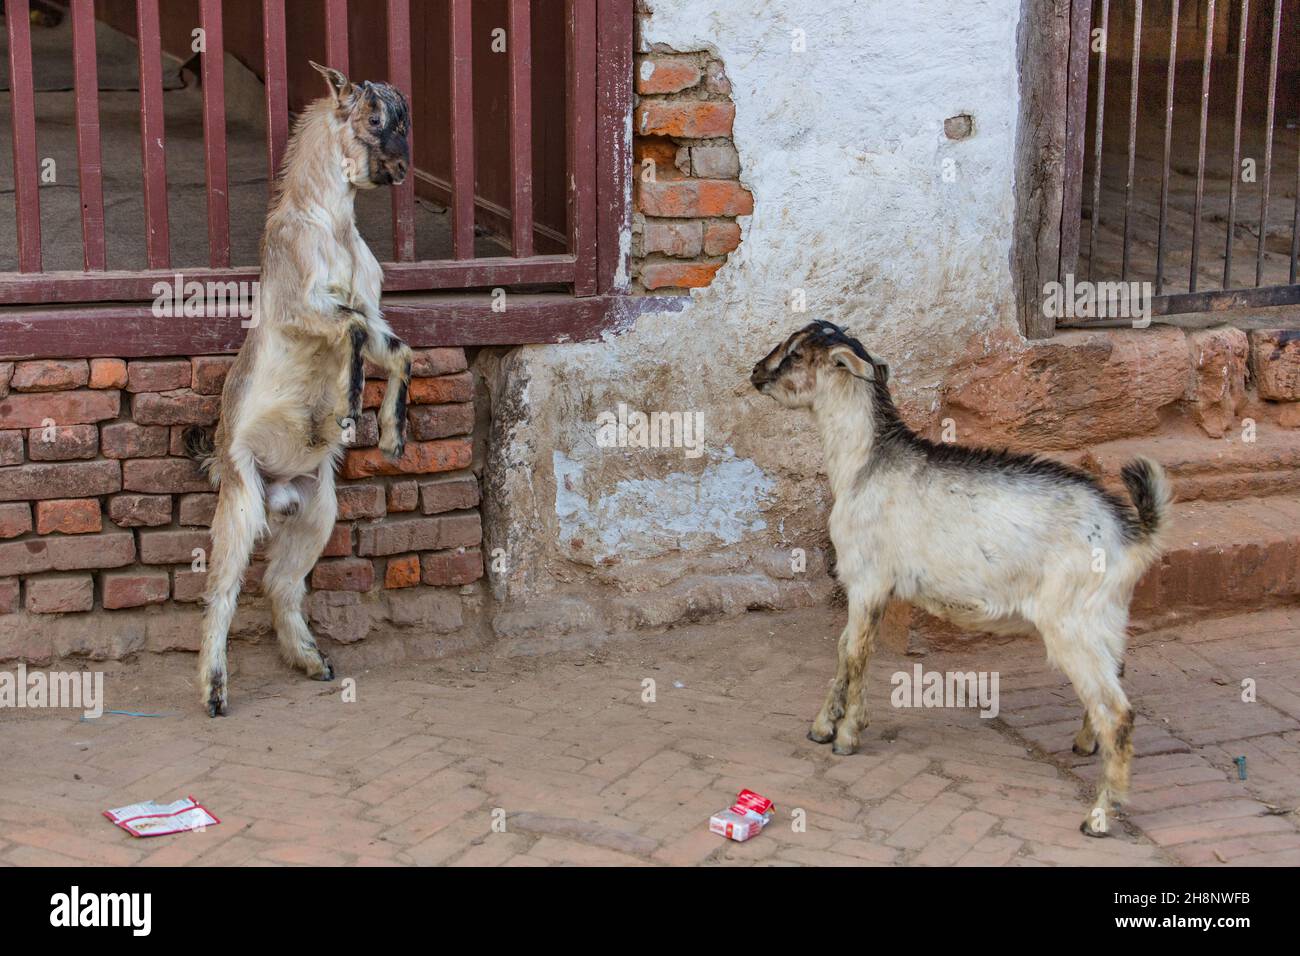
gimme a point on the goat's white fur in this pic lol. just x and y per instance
(1006, 550)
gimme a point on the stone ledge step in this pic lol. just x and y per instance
(1203, 468)
(1223, 556)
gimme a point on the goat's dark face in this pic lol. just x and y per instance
(794, 371)
(376, 124)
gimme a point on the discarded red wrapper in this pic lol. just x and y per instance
(745, 818)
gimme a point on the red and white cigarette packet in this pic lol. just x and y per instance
(156, 819)
(744, 819)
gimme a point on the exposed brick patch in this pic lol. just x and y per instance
(163, 476)
(49, 375)
(428, 422)
(135, 588)
(134, 511)
(448, 494)
(11, 448)
(420, 534)
(129, 440)
(197, 509)
(181, 407)
(60, 594)
(68, 479)
(361, 501)
(107, 373)
(100, 509)
(62, 443)
(343, 574)
(72, 516)
(209, 373)
(420, 457)
(9, 589)
(15, 519)
(403, 496)
(688, 193)
(402, 571)
(452, 567)
(60, 408)
(164, 376)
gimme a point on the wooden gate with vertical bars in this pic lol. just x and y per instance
(1221, 231)
(35, 313)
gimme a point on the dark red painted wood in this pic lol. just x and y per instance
(277, 90)
(214, 133)
(336, 35)
(582, 137)
(614, 26)
(132, 331)
(124, 286)
(22, 106)
(157, 238)
(462, 128)
(90, 173)
(399, 75)
(519, 45)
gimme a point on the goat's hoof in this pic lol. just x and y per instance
(216, 706)
(1082, 752)
(844, 749)
(326, 673)
(393, 452)
(1089, 828)
(821, 738)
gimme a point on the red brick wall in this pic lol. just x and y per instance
(687, 172)
(100, 512)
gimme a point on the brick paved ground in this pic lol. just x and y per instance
(585, 772)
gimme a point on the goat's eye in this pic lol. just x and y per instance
(374, 120)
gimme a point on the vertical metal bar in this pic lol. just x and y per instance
(1235, 172)
(1076, 125)
(1097, 137)
(22, 107)
(153, 149)
(277, 93)
(1132, 134)
(336, 35)
(1200, 155)
(581, 18)
(214, 133)
(1268, 142)
(519, 38)
(90, 174)
(462, 129)
(1169, 129)
(399, 75)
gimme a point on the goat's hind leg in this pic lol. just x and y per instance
(1081, 651)
(823, 728)
(240, 517)
(296, 543)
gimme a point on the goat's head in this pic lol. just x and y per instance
(375, 120)
(819, 353)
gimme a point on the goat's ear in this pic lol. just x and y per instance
(846, 358)
(882, 371)
(338, 83)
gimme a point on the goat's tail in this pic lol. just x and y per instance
(199, 444)
(1152, 495)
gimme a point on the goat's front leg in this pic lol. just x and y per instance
(394, 356)
(864, 621)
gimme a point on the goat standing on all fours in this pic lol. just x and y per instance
(988, 540)
(294, 392)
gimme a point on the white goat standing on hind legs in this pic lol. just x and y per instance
(294, 392)
(988, 540)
